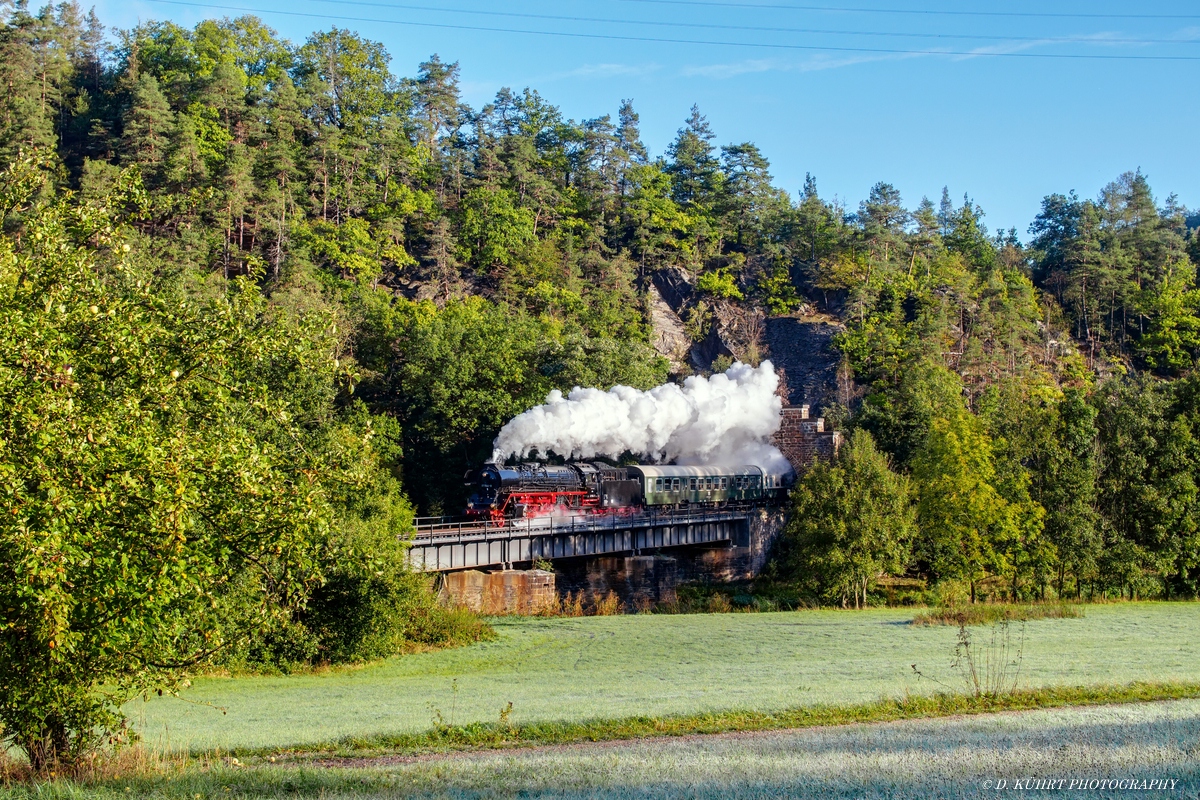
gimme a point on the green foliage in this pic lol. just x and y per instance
(495, 229)
(851, 521)
(1115, 266)
(992, 613)
(719, 283)
(778, 291)
(968, 527)
(1173, 339)
(159, 497)
(453, 376)
(179, 485)
(1147, 485)
(350, 248)
(658, 229)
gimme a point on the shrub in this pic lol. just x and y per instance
(572, 606)
(719, 283)
(160, 492)
(718, 603)
(851, 521)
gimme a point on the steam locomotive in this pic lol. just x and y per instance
(501, 493)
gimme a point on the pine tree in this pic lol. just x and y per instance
(149, 125)
(277, 169)
(748, 190)
(26, 116)
(883, 217)
(184, 168)
(437, 99)
(945, 214)
(237, 186)
(695, 174)
(629, 149)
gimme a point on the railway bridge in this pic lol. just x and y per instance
(444, 544)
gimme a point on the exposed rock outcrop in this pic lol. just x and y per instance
(671, 339)
(803, 348)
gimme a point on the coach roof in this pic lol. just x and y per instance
(688, 472)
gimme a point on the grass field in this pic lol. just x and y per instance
(946, 758)
(606, 667)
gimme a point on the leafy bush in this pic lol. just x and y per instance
(177, 484)
(160, 500)
(851, 521)
(609, 605)
(760, 595)
(778, 292)
(719, 283)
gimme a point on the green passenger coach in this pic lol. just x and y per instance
(678, 486)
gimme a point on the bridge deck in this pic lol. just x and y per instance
(441, 544)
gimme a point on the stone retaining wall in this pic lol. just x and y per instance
(803, 440)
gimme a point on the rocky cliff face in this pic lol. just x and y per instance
(802, 348)
(671, 339)
(732, 330)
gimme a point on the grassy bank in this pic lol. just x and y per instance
(910, 758)
(988, 613)
(497, 735)
(592, 669)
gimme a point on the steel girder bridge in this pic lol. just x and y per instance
(443, 544)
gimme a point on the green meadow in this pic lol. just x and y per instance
(597, 668)
(961, 757)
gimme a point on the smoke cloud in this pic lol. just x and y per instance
(727, 419)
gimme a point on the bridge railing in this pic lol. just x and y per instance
(443, 528)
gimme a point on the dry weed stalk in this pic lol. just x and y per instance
(99, 766)
(609, 605)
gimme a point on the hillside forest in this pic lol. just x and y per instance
(265, 301)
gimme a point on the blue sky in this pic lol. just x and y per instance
(1007, 130)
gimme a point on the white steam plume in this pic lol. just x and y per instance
(726, 419)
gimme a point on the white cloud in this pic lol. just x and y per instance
(815, 63)
(733, 70)
(611, 71)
